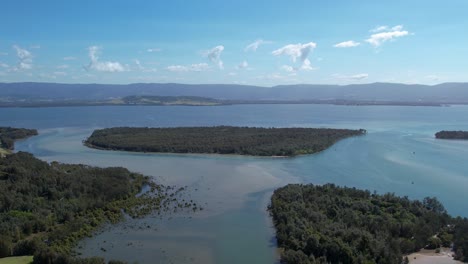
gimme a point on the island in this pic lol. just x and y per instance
(254, 141)
(332, 224)
(452, 135)
(46, 208)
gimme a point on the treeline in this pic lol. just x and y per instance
(452, 134)
(253, 141)
(8, 135)
(46, 208)
(331, 224)
(169, 100)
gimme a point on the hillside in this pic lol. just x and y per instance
(441, 93)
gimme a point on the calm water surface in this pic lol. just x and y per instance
(399, 154)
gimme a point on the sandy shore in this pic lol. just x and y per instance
(430, 257)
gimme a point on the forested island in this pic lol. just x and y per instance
(332, 224)
(253, 141)
(46, 208)
(452, 134)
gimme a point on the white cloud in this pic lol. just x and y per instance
(154, 50)
(214, 55)
(433, 78)
(254, 46)
(25, 59)
(355, 77)
(243, 65)
(386, 34)
(347, 44)
(379, 29)
(232, 73)
(288, 68)
(69, 58)
(63, 66)
(298, 52)
(191, 68)
(177, 68)
(4, 65)
(104, 66)
(306, 66)
(138, 64)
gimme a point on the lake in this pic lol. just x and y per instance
(399, 154)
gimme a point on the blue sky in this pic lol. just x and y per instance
(244, 42)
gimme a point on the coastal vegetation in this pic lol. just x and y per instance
(332, 224)
(452, 134)
(253, 141)
(8, 135)
(168, 100)
(46, 208)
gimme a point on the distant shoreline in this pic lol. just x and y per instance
(224, 103)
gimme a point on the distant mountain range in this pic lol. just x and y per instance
(374, 92)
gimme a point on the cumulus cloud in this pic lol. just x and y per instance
(355, 77)
(4, 65)
(298, 52)
(379, 29)
(254, 46)
(104, 66)
(347, 44)
(154, 50)
(190, 68)
(385, 34)
(214, 55)
(24, 57)
(243, 65)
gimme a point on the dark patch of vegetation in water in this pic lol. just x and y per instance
(331, 224)
(253, 141)
(452, 134)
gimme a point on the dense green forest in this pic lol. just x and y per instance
(46, 208)
(331, 224)
(452, 134)
(8, 135)
(220, 140)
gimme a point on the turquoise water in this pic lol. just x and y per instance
(399, 154)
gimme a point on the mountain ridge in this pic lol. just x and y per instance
(452, 92)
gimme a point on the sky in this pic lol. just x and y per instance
(252, 42)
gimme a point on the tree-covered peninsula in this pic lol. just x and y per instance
(8, 135)
(452, 134)
(46, 208)
(253, 141)
(331, 224)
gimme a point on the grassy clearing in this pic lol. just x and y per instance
(17, 260)
(4, 152)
